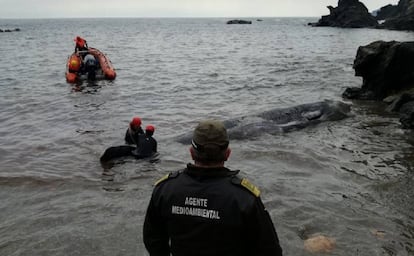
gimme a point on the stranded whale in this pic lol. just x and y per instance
(281, 120)
(274, 121)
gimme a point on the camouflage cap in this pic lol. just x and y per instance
(209, 133)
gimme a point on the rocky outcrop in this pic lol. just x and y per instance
(399, 17)
(354, 14)
(404, 105)
(387, 72)
(386, 12)
(401, 23)
(385, 67)
(239, 22)
(348, 14)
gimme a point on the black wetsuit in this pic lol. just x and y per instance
(132, 137)
(82, 50)
(208, 211)
(147, 146)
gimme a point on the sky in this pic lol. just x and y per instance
(171, 8)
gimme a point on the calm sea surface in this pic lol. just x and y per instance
(351, 180)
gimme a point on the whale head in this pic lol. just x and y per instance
(334, 110)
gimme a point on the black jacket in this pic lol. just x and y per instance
(147, 146)
(205, 211)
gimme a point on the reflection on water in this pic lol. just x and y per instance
(107, 165)
(87, 87)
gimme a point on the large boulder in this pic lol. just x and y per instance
(348, 14)
(385, 67)
(399, 17)
(404, 105)
(387, 70)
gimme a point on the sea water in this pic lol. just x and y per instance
(351, 180)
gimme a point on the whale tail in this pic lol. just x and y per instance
(116, 152)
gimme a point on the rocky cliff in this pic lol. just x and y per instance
(399, 17)
(348, 14)
(387, 72)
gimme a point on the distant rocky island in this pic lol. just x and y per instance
(10, 30)
(348, 14)
(354, 14)
(239, 22)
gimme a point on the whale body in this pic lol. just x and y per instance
(281, 120)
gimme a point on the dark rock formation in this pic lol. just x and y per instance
(386, 12)
(399, 17)
(10, 30)
(404, 105)
(387, 70)
(348, 14)
(239, 22)
(407, 114)
(401, 23)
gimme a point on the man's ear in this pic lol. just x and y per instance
(227, 154)
(192, 152)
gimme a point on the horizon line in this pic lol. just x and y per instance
(160, 17)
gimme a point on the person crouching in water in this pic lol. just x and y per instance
(133, 132)
(147, 145)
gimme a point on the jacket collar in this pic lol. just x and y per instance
(193, 170)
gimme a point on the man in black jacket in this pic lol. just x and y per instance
(207, 209)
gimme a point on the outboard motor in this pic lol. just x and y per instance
(90, 66)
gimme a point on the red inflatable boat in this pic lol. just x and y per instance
(78, 70)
